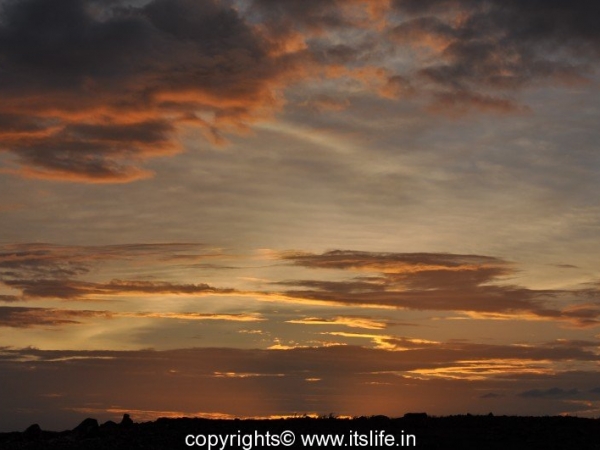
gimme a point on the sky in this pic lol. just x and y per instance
(263, 208)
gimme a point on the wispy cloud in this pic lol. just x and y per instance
(352, 322)
(80, 290)
(549, 393)
(61, 261)
(23, 317)
(50, 271)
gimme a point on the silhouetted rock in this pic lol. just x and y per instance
(416, 417)
(126, 421)
(379, 419)
(109, 425)
(33, 432)
(87, 427)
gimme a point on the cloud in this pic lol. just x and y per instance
(323, 103)
(39, 260)
(52, 271)
(95, 152)
(503, 45)
(93, 89)
(460, 102)
(196, 316)
(459, 56)
(236, 381)
(478, 55)
(316, 16)
(422, 354)
(19, 317)
(473, 284)
(394, 262)
(348, 321)
(491, 395)
(80, 290)
(59, 261)
(22, 317)
(549, 393)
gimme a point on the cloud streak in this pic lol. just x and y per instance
(472, 284)
(20, 317)
(42, 271)
(79, 290)
(352, 322)
(24, 317)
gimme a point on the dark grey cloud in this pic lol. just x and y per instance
(308, 14)
(56, 261)
(79, 42)
(80, 290)
(491, 395)
(461, 101)
(52, 271)
(20, 317)
(481, 52)
(95, 149)
(39, 261)
(536, 20)
(350, 259)
(93, 88)
(488, 49)
(68, 289)
(549, 393)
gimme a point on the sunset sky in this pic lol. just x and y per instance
(258, 208)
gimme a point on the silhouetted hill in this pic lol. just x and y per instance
(460, 432)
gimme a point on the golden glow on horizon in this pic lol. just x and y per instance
(246, 375)
(485, 369)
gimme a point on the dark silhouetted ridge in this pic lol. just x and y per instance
(462, 431)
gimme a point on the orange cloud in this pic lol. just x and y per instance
(472, 284)
(352, 322)
(24, 317)
(99, 89)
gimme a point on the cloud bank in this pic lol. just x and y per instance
(93, 89)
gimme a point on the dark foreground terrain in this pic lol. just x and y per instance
(453, 432)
